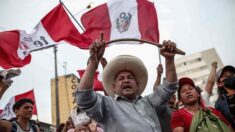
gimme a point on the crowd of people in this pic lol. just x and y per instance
(176, 105)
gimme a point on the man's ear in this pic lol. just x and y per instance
(16, 112)
(114, 86)
(219, 84)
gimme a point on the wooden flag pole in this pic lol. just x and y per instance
(178, 51)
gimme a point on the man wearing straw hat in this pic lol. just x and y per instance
(124, 79)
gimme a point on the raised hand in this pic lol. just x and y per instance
(168, 49)
(159, 69)
(214, 64)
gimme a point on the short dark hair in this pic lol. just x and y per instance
(20, 102)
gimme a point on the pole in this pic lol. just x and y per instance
(56, 89)
(72, 16)
(159, 55)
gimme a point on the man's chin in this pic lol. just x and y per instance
(128, 94)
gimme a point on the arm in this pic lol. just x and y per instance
(205, 94)
(103, 62)
(65, 128)
(178, 129)
(3, 88)
(38, 129)
(93, 104)
(159, 75)
(168, 51)
(169, 86)
(5, 79)
(211, 79)
(177, 122)
(5, 126)
(87, 80)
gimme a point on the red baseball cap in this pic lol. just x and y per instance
(186, 80)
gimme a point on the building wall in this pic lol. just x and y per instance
(67, 86)
(197, 66)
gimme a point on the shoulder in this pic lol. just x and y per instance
(177, 119)
(34, 127)
(177, 113)
(181, 115)
(5, 125)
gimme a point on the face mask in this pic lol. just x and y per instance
(229, 82)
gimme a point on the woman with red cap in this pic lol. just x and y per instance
(189, 95)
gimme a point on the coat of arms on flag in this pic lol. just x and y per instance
(123, 21)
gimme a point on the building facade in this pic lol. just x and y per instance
(197, 66)
(67, 85)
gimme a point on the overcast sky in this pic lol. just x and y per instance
(195, 25)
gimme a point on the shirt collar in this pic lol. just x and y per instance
(118, 97)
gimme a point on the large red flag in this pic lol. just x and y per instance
(97, 84)
(7, 112)
(122, 19)
(16, 45)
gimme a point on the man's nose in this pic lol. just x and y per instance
(30, 108)
(188, 91)
(126, 79)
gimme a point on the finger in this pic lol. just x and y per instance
(164, 42)
(173, 46)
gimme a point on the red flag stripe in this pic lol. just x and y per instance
(107, 18)
(96, 21)
(28, 95)
(9, 43)
(97, 84)
(148, 30)
(60, 27)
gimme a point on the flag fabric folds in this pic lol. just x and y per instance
(16, 45)
(97, 84)
(9, 44)
(116, 19)
(122, 19)
(7, 113)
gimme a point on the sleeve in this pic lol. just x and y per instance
(94, 104)
(176, 120)
(219, 115)
(205, 97)
(162, 94)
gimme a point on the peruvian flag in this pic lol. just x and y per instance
(16, 45)
(122, 19)
(7, 113)
(97, 83)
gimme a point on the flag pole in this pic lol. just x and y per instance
(56, 89)
(72, 16)
(177, 51)
(159, 55)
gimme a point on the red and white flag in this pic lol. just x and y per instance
(7, 113)
(122, 19)
(97, 83)
(16, 45)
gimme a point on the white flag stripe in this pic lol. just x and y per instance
(126, 11)
(7, 112)
(39, 38)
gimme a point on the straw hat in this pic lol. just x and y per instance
(121, 63)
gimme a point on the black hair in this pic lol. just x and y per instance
(20, 102)
(78, 110)
(60, 127)
(1, 77)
